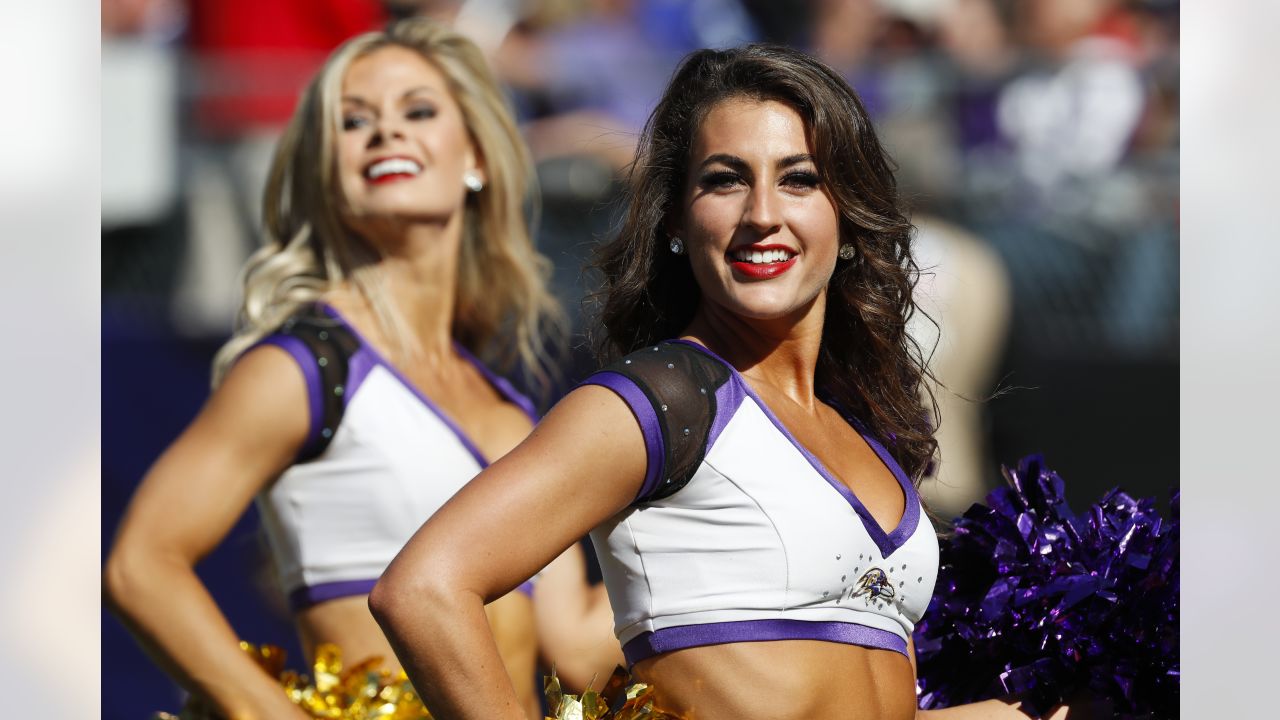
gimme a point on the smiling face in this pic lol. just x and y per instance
(403, 147)
(761, 230)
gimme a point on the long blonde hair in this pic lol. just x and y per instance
(501, 288)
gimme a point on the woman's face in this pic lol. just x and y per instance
(403, 146)
(760, 229)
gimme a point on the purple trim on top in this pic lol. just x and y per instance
(642, 408)
(395, 372)
(911, 514)
(359, 365)
(526, 588)
(886, 542)
(311, 375)
(729, 398)
(501, 384)
(308, 595)
(666, 640)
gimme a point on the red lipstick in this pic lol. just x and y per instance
(762, 271)
(401, 172)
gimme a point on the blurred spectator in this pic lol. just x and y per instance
(1074, 118)
(964, 289)
(143, 19)
(140, 123)
(597, 77)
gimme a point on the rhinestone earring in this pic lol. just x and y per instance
(677, 246)
(472, 180)
(847, 252)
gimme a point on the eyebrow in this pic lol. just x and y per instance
(740, 165)
(357, 100)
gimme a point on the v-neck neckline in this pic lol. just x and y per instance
(503, 387)
(887, 542)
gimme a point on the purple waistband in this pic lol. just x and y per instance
(308, 595)
(686, 636)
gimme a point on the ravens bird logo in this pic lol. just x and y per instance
(875, 585)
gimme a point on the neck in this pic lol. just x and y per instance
(418, 272)
(781, 353)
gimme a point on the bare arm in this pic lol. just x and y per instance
(583, 463)
(575, 623)
(246, 434)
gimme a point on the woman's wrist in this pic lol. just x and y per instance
(261, 702)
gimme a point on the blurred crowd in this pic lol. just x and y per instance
(1048, 128)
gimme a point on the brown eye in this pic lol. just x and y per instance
(718, 180)
(801, 180)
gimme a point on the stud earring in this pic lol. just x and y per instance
(472, 180)
(847, 252)
(677, 246)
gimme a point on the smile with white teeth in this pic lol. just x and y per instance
(761, 257)
(392, 166)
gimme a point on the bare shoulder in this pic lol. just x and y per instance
(591, 439)
(592, 411)
(264, 394)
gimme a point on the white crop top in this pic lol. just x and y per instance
(740, 534)
(336, 518)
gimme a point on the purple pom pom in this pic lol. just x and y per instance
(1035, 601)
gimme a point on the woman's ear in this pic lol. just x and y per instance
(673, 226)
(476, 164)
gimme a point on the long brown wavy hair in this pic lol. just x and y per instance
(867, 364)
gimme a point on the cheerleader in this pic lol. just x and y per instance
(351, 403)
(748, 465)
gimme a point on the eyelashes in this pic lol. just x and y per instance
(421, 112)
(356, 120)
(724, 179)
(802, 179)
(719, 180)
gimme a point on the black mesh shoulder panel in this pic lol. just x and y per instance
(680, 382)
(331, 345)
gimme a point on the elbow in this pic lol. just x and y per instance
(139, 574)
(403, 598)
(384, 601)
(124, 578)
(398, 595)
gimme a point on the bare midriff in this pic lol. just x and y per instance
(782, 680)
(347, 623)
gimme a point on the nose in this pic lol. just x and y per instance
(762, 213)
(386, 127)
